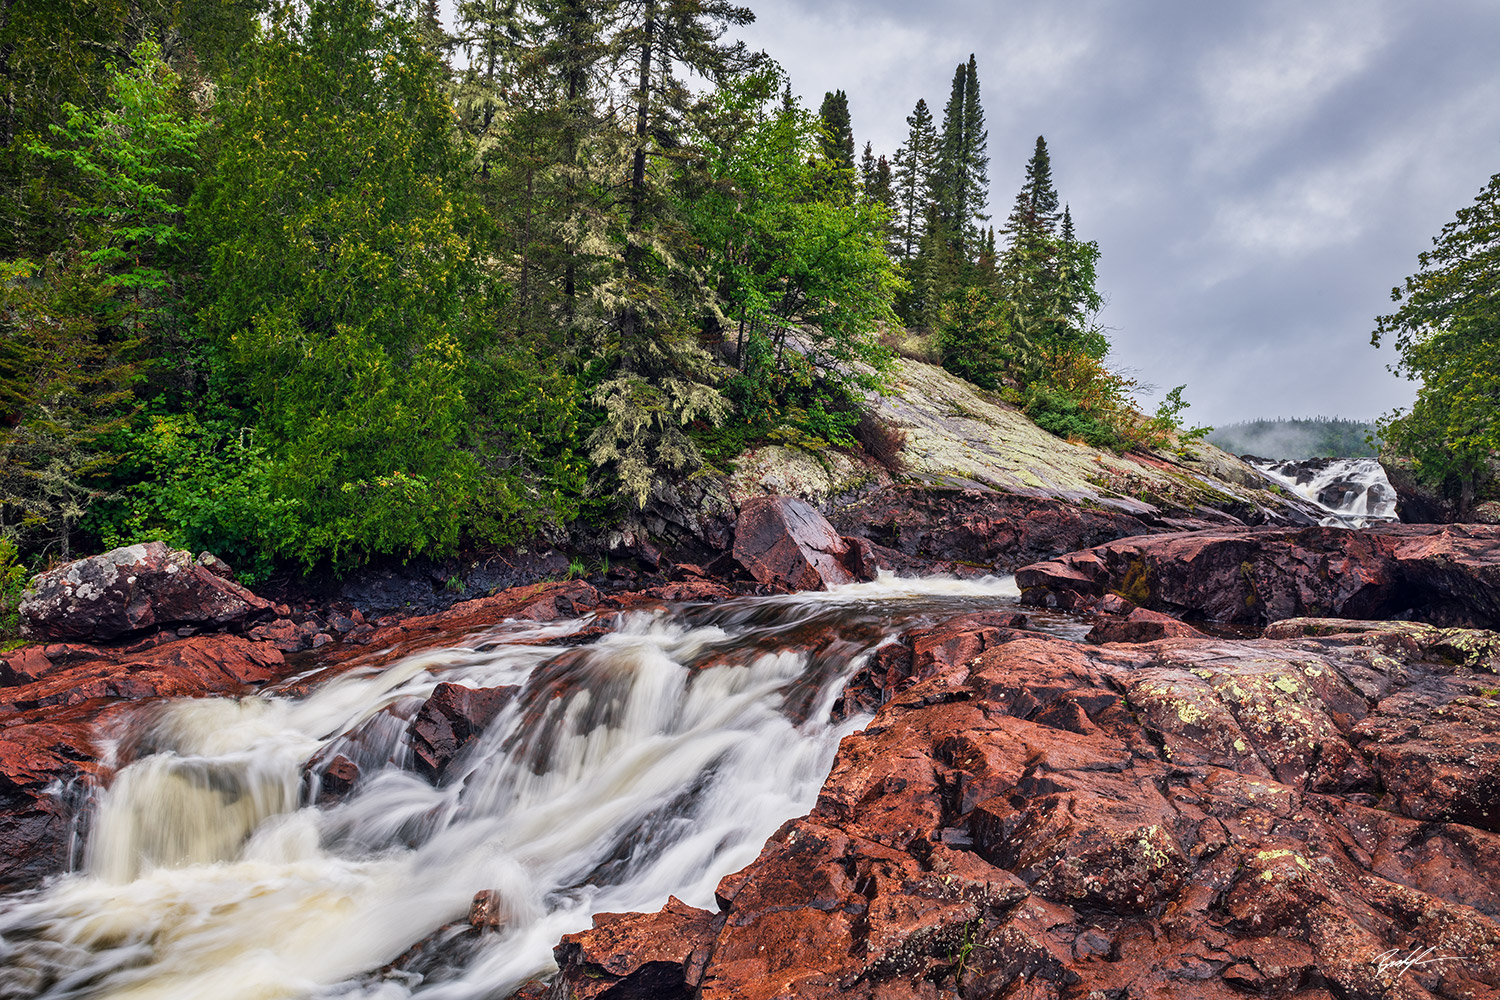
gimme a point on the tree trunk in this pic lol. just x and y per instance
(634, 265)
(1468, 486)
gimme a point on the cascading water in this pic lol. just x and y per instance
(1354, 491)
(650, 763)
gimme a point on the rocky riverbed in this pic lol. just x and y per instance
(1286, 794)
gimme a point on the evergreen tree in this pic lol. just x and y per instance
(1068, 236)
(65, 385)
(344, 291)
(1036, 202)
(837, 144)
(962, 163)
(661, 379)
(915, 178)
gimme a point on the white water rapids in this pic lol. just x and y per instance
(651, 762)
(1354, 492)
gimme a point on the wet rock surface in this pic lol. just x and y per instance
(1447, 574)
(783, 542)
(134, 589)
(1187, 818)
(61, 699)
(451, 719)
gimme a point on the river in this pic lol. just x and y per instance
(649, 763)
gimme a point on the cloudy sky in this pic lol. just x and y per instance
(1258, 174)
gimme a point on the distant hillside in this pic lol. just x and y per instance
(1306, 437)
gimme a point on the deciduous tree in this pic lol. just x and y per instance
(1446, 328)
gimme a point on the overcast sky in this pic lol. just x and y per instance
(1258, 174)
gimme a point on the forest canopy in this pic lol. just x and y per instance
(315, 283)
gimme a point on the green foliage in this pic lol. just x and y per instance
(915, 178)
(13, 576)
(1447, 330)
(135, 161)
(197, 486)
(343, 292)
(961, 160)
(65, 385)
(1165, 429)
(1063, 414)
(806, 280)
(977, 339)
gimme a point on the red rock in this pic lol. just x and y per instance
(657, 956)
(784, 542)
(449, 720)
(1141, 625)
(997, 531)
(287, 636)
(918, 655)
(1446, 574)
(48, 738)
(337, 779)
(1191, 818)
(130, 590)
(24, 665)
(487, 911)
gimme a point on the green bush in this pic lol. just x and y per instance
(1059, 413)
(197, 486)
(12, 582)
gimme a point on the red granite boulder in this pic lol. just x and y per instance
(131, 590)
(783, 542)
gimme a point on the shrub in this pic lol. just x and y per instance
(12, 582)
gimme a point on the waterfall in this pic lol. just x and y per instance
(649, 763)
(1353, 491)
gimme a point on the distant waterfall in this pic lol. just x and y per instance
(1354, 491)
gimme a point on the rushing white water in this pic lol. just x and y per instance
(1354, 491)
(652, 762)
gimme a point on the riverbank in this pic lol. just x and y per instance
(1025, 811)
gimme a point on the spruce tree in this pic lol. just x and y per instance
(914, 178)
(1040, 196)
(962, 159)
(867, 168)
(838, 130)
(951, 184)
(1068, 235)
(976, 150)
(837, 145)
(661, 380)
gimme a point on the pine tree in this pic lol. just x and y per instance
(1068, 235)
(915, 178)
(962, 159)
(1036, 203)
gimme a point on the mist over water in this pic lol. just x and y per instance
(650, 763)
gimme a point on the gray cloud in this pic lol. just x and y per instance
(1257, 175)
